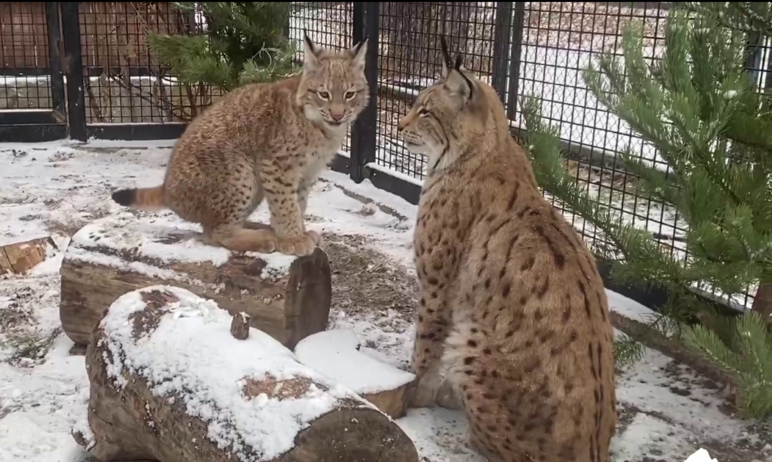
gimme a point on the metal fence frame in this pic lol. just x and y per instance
(41, 124)
(68, 113)
(67, 70)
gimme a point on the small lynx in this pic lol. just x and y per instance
(261, 140)
(513, 316)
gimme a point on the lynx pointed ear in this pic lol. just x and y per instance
(359, 52)
(446, 60)
(459, 64)
(310, 51)
(454, 77)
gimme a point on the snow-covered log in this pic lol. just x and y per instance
(285, 296)
(339, 355)
(169, 382)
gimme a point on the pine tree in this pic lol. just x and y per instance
(699, 108)
(242, 42)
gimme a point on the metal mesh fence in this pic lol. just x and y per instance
(557, 42)
(123, 82)
(525, 48)
(24, 64)
(409, 60)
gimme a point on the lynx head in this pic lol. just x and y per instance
(333, 88)
(449, 116)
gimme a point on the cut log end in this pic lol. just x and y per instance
(214, 398)
(337, 353)
(20, 257)
(240, 326)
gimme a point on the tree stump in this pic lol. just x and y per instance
(338, 354)
(20, 257)
(285, 296)
(169, 382)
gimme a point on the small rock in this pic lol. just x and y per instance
(240, 326)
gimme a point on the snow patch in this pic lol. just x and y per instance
(701, 456)
(338, 355)
(628, 308)
(191, 355)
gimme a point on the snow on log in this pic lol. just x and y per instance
(285, 296)
(339, 355)
(20, 257)
(169, 382)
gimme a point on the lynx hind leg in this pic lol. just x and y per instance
(242, 239)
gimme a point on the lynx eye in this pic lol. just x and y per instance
(423, 112)
(323, 95)
(350, 95)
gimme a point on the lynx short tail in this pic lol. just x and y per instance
(147, 199)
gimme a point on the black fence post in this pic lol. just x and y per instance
(363, 132)
(514, 62)
(59, 104)
(72, 65)
(501, 41)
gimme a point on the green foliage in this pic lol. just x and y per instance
(698, 107)
(747, 358)
(693, 107)
(244, 42)
(627, 351)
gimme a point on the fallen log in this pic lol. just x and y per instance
(285, 296)
(20, 257)
(169, 382)
(339, 355)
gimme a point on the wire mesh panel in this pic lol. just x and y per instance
(410, 60)
(328, 24)
(559, 41)
(123, 81)
(24, 56)
(538, 49)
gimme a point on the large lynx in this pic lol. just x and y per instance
(511, 300)
(262, 140)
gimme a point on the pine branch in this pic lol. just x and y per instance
(244, 42)
(643, 263)
(750, 364)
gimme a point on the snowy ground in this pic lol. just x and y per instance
(667, 412)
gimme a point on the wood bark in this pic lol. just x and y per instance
(288, 308)
(133, 422)
(762, 302)
(20, 257)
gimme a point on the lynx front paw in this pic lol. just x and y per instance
(315, 237)
(301, 246)
(425, 394)
(448, 395)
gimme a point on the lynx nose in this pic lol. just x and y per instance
(336, 116)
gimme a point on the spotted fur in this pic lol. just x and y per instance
(513, 314)
(262, 141)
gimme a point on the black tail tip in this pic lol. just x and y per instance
(125, 197)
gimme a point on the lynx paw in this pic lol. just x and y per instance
(425, 394)
(315, 237)
(302, 246)
(448, 395)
